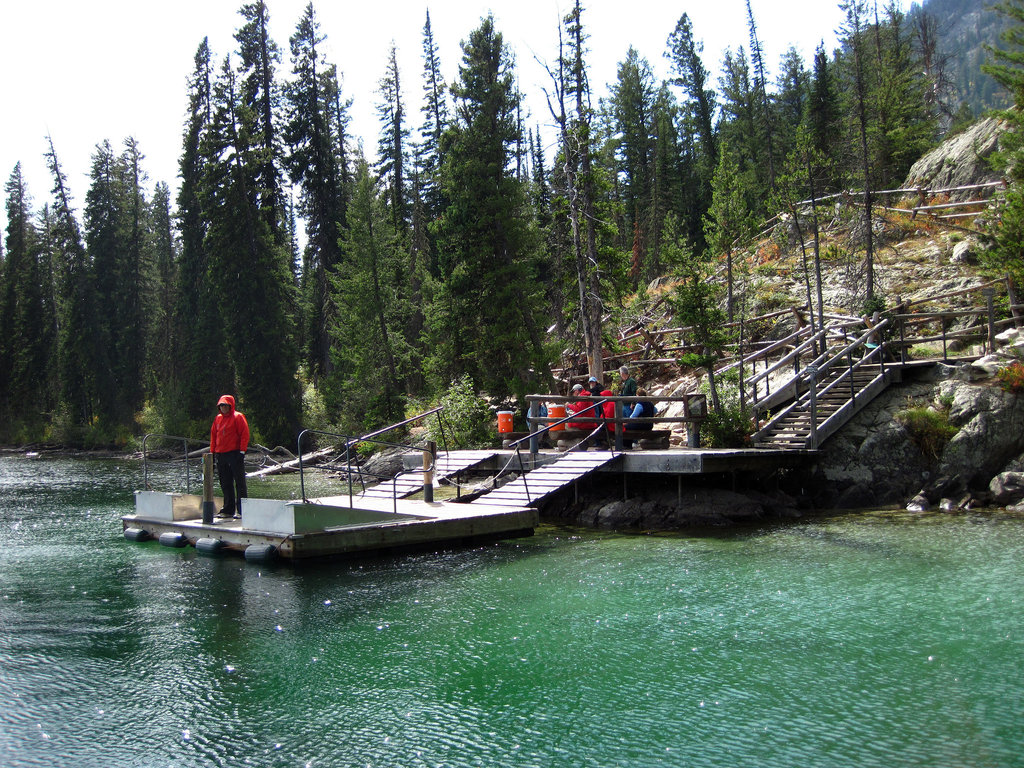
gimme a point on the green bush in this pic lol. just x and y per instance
(729, 427)
(468, 421)
(928, 428)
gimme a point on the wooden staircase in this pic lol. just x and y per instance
(819, 412)
(531, 488)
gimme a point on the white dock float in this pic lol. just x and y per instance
(328, 527)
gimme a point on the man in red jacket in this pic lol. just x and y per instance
(229, 439)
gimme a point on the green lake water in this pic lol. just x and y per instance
(861, 640)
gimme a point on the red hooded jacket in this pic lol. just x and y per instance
(230, 431)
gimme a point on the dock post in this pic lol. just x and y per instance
(428, 471)
(208, 489)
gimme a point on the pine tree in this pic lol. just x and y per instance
(485, 317)
(314, 103)
(854, 28)
(430, 155)
(26, 339)
(368, 345)
(699, 137)
(203, 370)
(391, 145)
(76, 351)
(259, 57)
(249, 269)
(1006, 235)
(632, 100)
(729, 221)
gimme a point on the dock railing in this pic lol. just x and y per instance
(695, 410)
(355, 470)
(189, 449)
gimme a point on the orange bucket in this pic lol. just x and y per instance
(556, 412)
(505, 421)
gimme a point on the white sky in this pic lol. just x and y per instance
(83, 71)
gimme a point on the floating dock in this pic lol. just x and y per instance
(329, 527)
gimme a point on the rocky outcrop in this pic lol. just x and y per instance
(875, 462)
(959, 161)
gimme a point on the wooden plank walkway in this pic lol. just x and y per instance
(446, 465)
(531, 488)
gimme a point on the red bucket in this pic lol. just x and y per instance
(505, 421)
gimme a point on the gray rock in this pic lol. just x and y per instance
(964, 252)
(1007, 488)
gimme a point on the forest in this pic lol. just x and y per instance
(464, 252)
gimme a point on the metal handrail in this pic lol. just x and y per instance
(187, 454)
(350, 442)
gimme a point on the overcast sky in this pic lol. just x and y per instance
(82, 71)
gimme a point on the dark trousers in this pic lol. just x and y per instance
(231, 472)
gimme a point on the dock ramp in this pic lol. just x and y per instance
(445, 465)
(536, 485)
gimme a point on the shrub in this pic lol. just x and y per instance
(728, 427)
(928, 428)
(467, 418)
(1011, 378)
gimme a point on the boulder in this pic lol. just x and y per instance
(959, 161)
(1007, 488)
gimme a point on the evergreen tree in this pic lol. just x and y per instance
(314, 101)
(903, 128)
(203, 370)
(76, 351)
(26, 339)
(391, 146)
(115, 233)
(485, 316)
(1006, 235)
(633, 103)
(699, 135)
(430, 155)
(791, 100)
(161, 294)
(822, 116)
(368, 342)
(259, 57)
(729, 221)
(854, 29)
(761, 99)
(249, 269)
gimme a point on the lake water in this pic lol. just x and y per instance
(862, 640)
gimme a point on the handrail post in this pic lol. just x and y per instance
(302, 475)
(903, 337)
(619, 425)
(853, 386)
(812, 438)
(208, 504)
(428, 471)
(145, 463)
(534, 439)
(989, 293)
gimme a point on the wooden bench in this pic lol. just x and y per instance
(643, 438)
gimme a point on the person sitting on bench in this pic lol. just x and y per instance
(642, 410)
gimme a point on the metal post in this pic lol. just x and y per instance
(428, 471)
(208, 504)
(534, 439)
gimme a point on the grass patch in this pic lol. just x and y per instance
(929, 428)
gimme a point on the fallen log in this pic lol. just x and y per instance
(293, 464)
